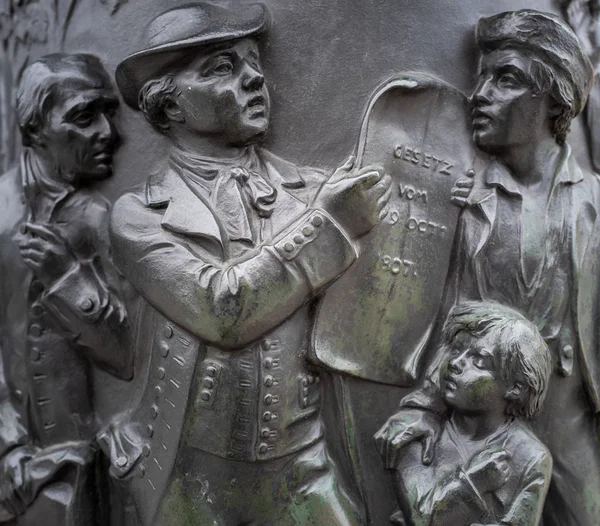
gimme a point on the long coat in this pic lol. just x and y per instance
(48, 335)
(228, 337)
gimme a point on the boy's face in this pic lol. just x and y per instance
(470, 378)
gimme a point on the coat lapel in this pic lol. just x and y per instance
(185, 212)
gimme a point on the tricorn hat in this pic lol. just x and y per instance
(179, 29)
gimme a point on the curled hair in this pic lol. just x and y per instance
(524, 355)
(155, 96)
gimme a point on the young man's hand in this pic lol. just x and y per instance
(462, 190)
(407, 426)
(355, 198)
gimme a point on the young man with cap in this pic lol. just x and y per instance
(229, 244)
(530, 239)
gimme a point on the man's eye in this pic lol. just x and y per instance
(508, 79)
(223, 68)
(83, 119)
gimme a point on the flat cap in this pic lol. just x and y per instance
(547, 37)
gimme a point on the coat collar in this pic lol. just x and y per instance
(189, 214)
(498, 176)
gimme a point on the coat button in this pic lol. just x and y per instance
(268, 363)
(567, 351)
(86, 305)
(267, 416)
(317, 221)
(266, 345)
(122, 462)
(288, 247)
(146, 450)
(158, 391)
(168, 332)
(36, 330)
(154, 410)
(205, 395)
(208, 382)
(308, 231)
(36, 287)
(150, 430)
(160, 373)
(265, 433)
(211, 371)
(19, 395)
(35, 354)
(141, 470)
(268, 399)
(298, 239)
(263, 448)
(305, 381)
(268, 381)
(37, 310)
(164, 350)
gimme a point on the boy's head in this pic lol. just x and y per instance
(495, 358)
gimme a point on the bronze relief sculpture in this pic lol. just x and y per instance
(216, 341)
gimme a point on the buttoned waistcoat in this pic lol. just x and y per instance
(228, 372)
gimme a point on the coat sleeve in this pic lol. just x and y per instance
(87, 306)
(231, 304)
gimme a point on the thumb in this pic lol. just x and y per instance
(349, 164)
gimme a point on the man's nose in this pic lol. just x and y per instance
(483, 93)
(107, 132)
(253, 78)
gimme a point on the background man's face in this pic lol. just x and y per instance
(506, 111)
(470, 379)
(79, 133)
(223, 93)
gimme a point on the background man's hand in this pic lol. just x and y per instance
(489, 469)
(403, 428)
(45, 252)
(356, 198)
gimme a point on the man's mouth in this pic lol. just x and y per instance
(480, 117)
(104, 156)
(256, 106)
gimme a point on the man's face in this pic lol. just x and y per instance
(223, 93)
(470, 379)
(506, 111)
(79, 134)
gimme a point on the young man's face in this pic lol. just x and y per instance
(470, 379)
(506, 111)
(223, 93)
(79, 133)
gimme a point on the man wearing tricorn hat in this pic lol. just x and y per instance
(228, 244)
(530, 240)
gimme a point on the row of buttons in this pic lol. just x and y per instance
(307, 232)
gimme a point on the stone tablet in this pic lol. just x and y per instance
(377, 320)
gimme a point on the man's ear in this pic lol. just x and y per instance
(515, 392)
(35, 136)
(555, 108)
(173, 111)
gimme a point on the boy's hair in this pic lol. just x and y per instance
(524, 355)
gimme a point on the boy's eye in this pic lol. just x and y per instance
(482, 362)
